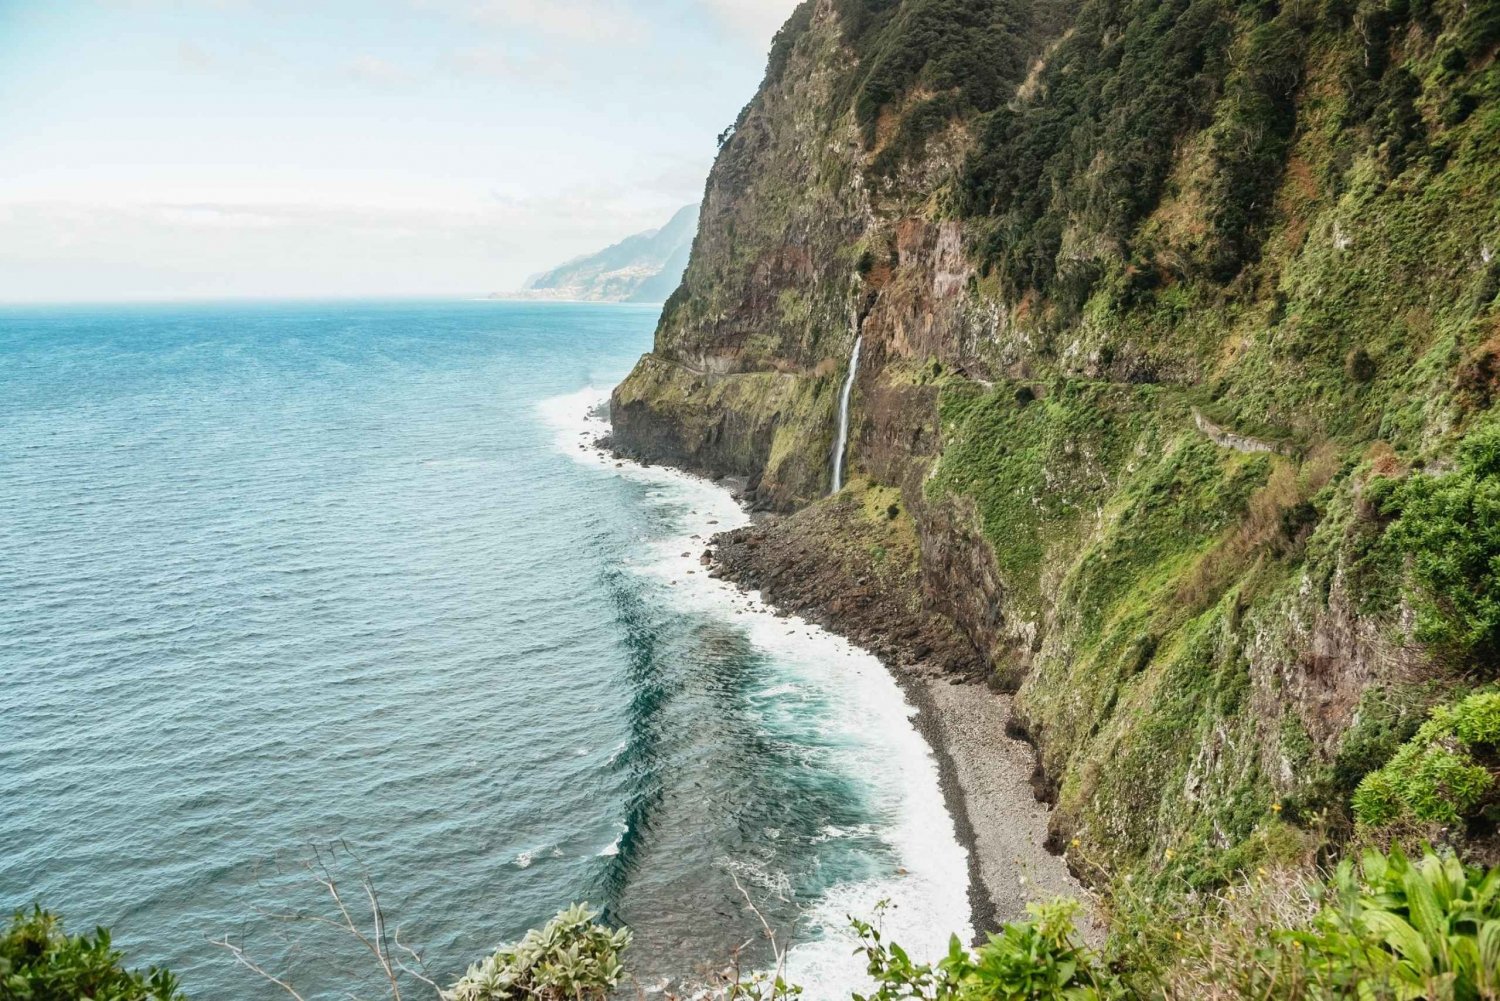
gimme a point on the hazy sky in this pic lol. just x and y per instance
(197, 148)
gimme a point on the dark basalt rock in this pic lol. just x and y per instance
(833, 586)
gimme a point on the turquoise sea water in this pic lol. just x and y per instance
(276, 578)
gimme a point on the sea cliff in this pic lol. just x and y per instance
(1179, 324)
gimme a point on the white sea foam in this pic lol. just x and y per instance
(777, 691)
(928, 893)
(527, 858)
(613, 848)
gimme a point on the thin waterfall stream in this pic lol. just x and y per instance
(841, 443)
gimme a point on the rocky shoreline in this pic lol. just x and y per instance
(831, 566)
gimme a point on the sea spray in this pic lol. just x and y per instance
(841, 442)
(865, 721)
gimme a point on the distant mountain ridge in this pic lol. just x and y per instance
(646, 267)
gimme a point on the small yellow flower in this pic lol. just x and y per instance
(1171, 854)
(1261, 871)
(1275, 807)
(1178, 936)
(1075, 843)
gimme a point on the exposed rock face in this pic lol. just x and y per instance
(851, 565)
(1123, 426)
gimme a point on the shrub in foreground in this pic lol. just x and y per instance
(1429, 929)
(1040, 958)
(1390, 929)
(570, 959)
(39, 961)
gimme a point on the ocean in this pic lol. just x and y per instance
(298, 585)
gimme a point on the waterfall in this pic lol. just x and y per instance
(841, 443)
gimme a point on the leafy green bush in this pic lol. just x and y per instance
(1035, 960)
(1398, 929)
(1448, 526)
(1443, 774)
(1476, 719)
(39, 961)
(1387, 930)
(571, 959)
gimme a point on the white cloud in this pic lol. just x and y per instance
(759, 19)
(218, 217)
(178, 5)
(178, 249)
(495, 62)
(194, 58)
(575, 20)
(376, 71)
(486, 61)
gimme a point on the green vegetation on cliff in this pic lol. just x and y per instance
(1181, 326)
(1447, 529)
(1444, 775)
